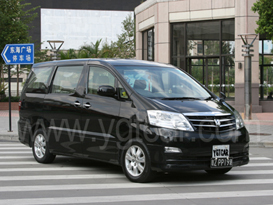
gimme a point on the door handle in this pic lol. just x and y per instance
(87, 105)
(77, 103)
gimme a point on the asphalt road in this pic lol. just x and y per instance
(77, 181)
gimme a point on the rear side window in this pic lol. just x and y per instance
(66, 79)
(38, 80)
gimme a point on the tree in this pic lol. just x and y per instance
(265, 23)
(91, 51)
(125, 44)
(69, 54)
(14, 20)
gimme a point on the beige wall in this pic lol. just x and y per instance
(161, 13)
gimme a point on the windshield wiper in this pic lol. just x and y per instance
(181, 98)
(209, 98)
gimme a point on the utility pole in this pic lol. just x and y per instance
(54, 49)
(247, 73)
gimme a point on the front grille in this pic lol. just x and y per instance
(212, 123)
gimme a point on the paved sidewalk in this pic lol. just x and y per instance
(260, 128)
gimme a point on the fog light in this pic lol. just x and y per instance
(172, 150)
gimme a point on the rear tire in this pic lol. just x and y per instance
(218, 171)
(40, 148)
(136, 162)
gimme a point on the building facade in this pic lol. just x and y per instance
(202, 37)
(78, 22)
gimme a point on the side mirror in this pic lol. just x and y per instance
(222, 96)
(106, 90)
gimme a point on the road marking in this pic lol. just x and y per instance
(60, 177)
(259, 165)
(32, 169)
(98, 176)
(30, 156)
(13, 145)
(20, 163)
(260, 158)
(248, 172)
(15, 152)
(15, 148)
(132, 185)
(135, 198)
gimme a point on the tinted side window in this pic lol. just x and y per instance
(38, 80)
(66, 79)
(97, 77)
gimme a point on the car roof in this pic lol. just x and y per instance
(114, 62)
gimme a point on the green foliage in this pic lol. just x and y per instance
(3, 87)
(126, 40)
(91, 51)
(265, 23)
(14, 22)
(70, 54)
(12, 99)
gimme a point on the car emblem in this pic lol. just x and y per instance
(217, 122)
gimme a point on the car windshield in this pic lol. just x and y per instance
(166, 83)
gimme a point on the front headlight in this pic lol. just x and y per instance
(170, 120)
(239, 120)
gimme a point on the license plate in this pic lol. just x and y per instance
(220, 156)
(221, 162)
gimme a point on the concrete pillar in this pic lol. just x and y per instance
(245, 22)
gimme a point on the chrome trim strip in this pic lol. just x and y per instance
(204, 125)
(224, 120)
(207, 114)
(81, 132)
(201, 120)
(226, 125)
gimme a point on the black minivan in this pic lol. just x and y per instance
(145, 116)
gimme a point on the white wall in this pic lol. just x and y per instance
(79, 27)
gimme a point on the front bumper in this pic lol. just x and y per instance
(196, 150)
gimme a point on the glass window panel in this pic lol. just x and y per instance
(268, 83)
(261, 47)
(229, 81)
(144, 49)
(179, 62)
(214, 79)
(97, 77)
(203, 30)
(192, 47)
(228, 47)
(268, 47)
(66, 79)
(228, 38)
(211, 48)
(150, 45)
(268, 59)
(38, 80)
(178, 40)
(197, 69)
(228, 30)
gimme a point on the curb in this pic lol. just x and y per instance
(13, 138)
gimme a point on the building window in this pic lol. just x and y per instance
(266, 68)
(206, 50)
(148, 45)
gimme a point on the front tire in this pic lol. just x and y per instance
(218, 171)
(136, 162)
(40, 148)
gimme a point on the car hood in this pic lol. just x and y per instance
(190, 106)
